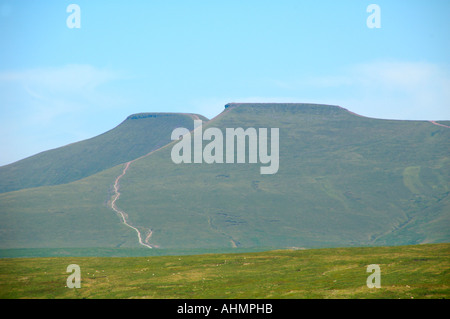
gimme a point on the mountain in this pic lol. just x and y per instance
(134, 137)
(343, 180)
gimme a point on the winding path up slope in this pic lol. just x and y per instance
(116, 195)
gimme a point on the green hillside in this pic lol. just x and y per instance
(68, 215)
(406, 272)
(134, 137)
(343, 180)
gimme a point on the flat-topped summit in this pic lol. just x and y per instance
(269, 104)
(137, 116)
(307, 108)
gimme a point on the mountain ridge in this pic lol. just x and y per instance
(137, 135)
(344, 180)
(391, 124)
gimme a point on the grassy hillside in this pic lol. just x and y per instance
(343, 180)
(406, 273)
(69, 215)
(136, 136)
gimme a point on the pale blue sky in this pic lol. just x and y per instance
(61, 85)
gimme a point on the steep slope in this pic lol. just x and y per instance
(343, 180)
(78, 214)
(69, 215)
(136, 136)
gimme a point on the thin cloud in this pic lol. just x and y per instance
(383, 89)
(43, 108)
(48, 92)
(69, 78)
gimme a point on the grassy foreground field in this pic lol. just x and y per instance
(421, 271)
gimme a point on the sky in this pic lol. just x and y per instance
(59, 85)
